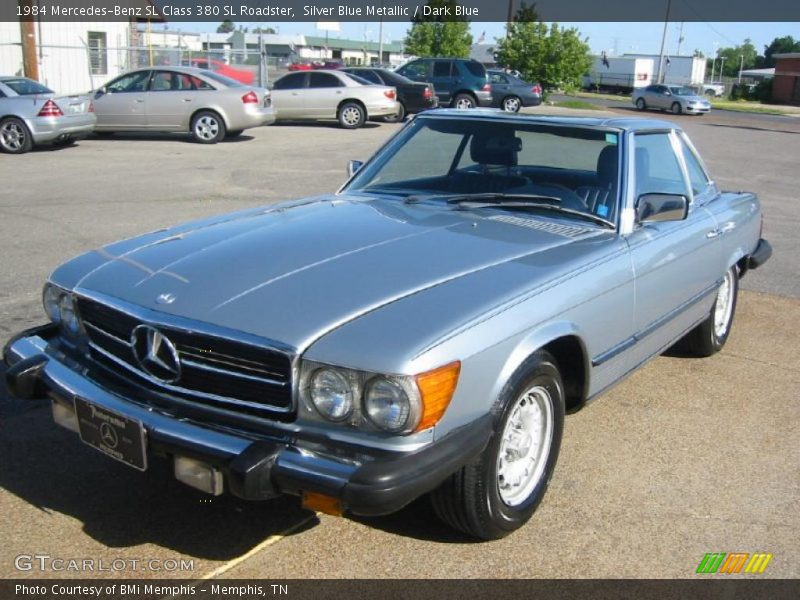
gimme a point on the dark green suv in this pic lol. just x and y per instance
(459, 82)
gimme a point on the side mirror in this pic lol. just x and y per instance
(653, 208)
(353, 166)
(101, 92)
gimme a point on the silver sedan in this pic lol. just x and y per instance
(328, 94)
(31, 113)
(675, 98)
(208, 105)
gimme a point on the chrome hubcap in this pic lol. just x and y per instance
(12, 136)
(206, 127)
(724, 306)
(525, 446)
(511, 105)
(464, 103)
(351, 115)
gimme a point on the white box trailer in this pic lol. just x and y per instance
(619, 73)
(678, 70)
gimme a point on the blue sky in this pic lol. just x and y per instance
(625, 37)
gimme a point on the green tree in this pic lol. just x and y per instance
(264, 30)
(227, 26)
(744, 55)
(781, 45)
(556, 57)
(439, 34)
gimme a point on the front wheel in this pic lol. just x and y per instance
(464, 101)
(14, 136)
(352, 115)
(208, 127)
(512, 104)
(676, 108)
(641, 104)
(710, 336)
(498, 493)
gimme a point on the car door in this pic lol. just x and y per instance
(288, 95)
(325, 92)
(443, 74)
(170, 100)
(121, 103)
(501, 87)
(677, 263)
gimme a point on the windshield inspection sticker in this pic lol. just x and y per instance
(611, 138)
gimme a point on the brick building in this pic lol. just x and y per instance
(786, 84)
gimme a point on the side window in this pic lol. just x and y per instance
(290, 82)
(498, 78)
(697, 177)
(324, 80)
(415, 70)
(657, 168)
(441, 68)
(133, 82)
(197, 83)
(370, 76)
(165, 81)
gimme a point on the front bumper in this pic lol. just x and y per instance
(696, 109)
(254, 466)
(50, 129)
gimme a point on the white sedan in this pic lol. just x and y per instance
(328, 94)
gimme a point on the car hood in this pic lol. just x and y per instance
(293, 273)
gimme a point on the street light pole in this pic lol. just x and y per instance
(741, 66)
(660, 74)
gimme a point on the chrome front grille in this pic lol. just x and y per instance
(215, 370)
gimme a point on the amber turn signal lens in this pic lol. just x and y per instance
(322, 503)
(436, 390)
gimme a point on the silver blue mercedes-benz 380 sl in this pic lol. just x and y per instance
(422, 330)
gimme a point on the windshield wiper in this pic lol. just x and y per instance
(487, 198)
(464, 205)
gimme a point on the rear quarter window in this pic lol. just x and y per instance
(475, 68)
(27, 87)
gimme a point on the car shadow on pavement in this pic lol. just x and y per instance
(152, 136)
(326, 124)
(54, 472)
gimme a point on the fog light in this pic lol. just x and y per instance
(322, 503)
(199, 475)
(65, 416)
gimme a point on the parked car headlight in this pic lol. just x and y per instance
(51, 298)
(331, 394)
(68, 315)
(388, 406)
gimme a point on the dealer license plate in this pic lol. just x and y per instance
(115, 435)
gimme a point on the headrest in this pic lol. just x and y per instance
(607, 165)
(494, 149)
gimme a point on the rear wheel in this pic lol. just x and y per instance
(399, 117)
(641, 104)
(498, 493)
(512, 104)
(710, 336)
(464, 101)
(208, 127)
(676, 108)
(351, 115)
(14, 136)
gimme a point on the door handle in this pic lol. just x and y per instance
(338, 91)
(713, 233)
(139, 100)
(187, 99)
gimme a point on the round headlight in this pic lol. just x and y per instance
(387, 404)
(50, 299)
(331, 394)
(68, 316)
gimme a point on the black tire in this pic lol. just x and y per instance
(351, 115)
(399, 117)
(676, 108)
(511, 104)
(707, 339)
(208, 127)
(14, 136)
(471, 500)
(64, 143)
(641, 104)
(234, 133)
(464, 101)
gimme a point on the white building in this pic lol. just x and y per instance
(678, 70)
(72, 57)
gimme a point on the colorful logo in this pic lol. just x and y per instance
(734, 562)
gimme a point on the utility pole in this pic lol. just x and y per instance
(680, 39)
(741, 66)
(660, 74)
(27, 35)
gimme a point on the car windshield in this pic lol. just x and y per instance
(27, 87)
(226, 81)
(682, 91)
(437, 158)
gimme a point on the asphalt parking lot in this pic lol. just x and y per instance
(686, 457)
